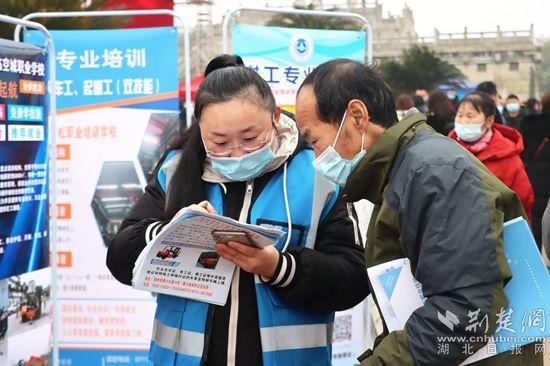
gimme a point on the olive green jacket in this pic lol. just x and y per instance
(438, 206)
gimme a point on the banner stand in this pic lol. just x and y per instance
(321, 13)
(122, 13)
(52, 145)
(25, 22)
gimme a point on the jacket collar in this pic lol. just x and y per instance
(368, 179)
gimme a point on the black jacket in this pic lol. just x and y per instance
(516, 121)
(332, 277)
(536, 157)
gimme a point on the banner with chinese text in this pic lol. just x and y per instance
(285, 56)
(118, 108)
(23, 159)
(24, 225)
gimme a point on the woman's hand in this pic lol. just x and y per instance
(203, 206)
(260, 261)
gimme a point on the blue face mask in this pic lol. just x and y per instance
(245, 167)
(332, 166)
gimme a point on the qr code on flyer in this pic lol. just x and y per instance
(342, 329)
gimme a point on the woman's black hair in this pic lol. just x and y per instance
(183, 190)
(441, 113)
(226, 84)
(481, 101)
(223, 61)
(221, 85)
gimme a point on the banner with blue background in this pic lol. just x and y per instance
(117, 99)
(24, 245)
(285, 56)
(97, 68)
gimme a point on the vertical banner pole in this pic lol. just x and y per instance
(53, 130)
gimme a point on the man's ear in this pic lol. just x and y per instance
(277, 113)
(357, 110)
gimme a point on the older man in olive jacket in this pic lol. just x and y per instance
(435, 204)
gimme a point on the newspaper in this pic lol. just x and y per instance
(181, 260)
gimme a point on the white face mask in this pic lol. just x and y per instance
(513, 107)
(469, 132)
(332, 166)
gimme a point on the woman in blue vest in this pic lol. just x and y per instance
(246, 160)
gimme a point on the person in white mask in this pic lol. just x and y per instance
(435, 204)
(497, 146)
(513, 113)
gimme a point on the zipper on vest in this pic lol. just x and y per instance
(234, 312)
(356, 234)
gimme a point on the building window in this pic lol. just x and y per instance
(481, 67)
(514, 66)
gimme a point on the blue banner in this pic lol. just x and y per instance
(117, 94)
(285, 56)
(98, 68)
(525, 319)
(24, 245)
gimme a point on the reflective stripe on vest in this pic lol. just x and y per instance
(178, 333)
(290, 335)
(181, 341)
(163, 356)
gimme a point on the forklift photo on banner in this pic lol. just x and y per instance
(25, 304)
(25, 318)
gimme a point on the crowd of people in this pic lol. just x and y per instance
(511, 137)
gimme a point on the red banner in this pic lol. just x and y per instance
(144, 21)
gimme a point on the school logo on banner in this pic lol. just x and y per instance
(301, 47)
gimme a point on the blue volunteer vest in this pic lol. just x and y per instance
(290, 335)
